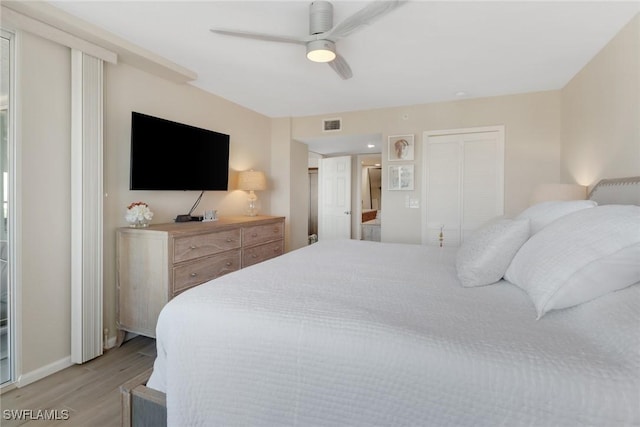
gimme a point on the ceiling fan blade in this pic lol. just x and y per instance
(364, 16)
(341, 67)
(262, 36)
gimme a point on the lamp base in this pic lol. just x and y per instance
(252, 208)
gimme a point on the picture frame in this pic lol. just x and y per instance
(401, 177)
(401, 147)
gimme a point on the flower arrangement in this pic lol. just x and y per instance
(138, 214)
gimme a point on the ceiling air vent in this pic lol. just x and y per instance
(331, 125)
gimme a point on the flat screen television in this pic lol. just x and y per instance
(167, 155)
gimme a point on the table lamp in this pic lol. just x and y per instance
(252, 181)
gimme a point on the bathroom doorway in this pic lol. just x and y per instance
(360, 148)
(371, 197)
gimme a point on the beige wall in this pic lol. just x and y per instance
(299, 214)
(44, 172)
(532, 148)
(280, 179)
(129, 89)
(290, 181)
(44, 129)
(601, 113)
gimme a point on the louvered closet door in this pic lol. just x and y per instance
(464, 183)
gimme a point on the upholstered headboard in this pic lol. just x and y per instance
(619, 191)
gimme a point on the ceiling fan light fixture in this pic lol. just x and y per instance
(321, 51)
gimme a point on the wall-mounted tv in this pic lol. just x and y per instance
(167, 155)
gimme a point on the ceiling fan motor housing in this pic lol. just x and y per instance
(320, 17)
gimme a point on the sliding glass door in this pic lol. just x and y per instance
(6, 288)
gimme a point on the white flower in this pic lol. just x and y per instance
(138, 212)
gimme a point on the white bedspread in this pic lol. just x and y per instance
(362, 334)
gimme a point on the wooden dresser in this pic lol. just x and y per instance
(155, 264)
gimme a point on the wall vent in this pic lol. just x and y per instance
(332, 125)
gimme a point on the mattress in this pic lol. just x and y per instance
(363, 333)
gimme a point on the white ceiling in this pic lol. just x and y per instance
(424, 51)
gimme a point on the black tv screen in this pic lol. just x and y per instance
(166, 155)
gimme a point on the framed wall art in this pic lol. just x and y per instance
(401, 147)
(401, 177)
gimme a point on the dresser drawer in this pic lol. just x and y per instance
(192, 247)
(261, 253)
(262, 233)
(194, 273)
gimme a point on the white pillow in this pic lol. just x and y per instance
(486, 254)
(579, 257)
(542, 214)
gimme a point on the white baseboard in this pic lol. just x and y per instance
(45, 371)
(111, 342)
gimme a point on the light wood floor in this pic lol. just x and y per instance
(90, 392)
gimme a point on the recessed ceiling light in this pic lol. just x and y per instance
(461, 93)
(377, 164)
(370, 145)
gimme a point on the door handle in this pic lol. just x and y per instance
(347, 212)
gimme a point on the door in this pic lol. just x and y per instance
(7, 286)
(334, 198)
(464, 182)
(443, 189)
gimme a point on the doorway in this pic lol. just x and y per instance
(358, 148)
(371, 197)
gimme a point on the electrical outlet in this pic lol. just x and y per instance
(414, 203)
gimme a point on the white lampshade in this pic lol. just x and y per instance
(551, 192)
(252, 181)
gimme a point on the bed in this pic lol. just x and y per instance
(366, 333)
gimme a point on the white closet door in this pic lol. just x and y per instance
(464, 182)
(483, 193)
(443, 189)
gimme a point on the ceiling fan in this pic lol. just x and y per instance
(323, 35)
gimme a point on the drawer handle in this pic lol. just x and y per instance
(254, 235)
(229, 240)
(276, 250)
(254, 256)
(276, 230)
(193, 247)
(228, 264)
(193, 274)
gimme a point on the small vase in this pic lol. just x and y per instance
(141, 223)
